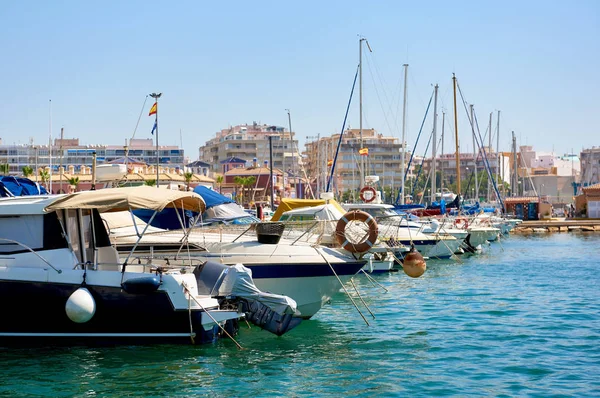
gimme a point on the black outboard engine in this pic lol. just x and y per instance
(272, 312)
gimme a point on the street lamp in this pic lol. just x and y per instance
(156, 96)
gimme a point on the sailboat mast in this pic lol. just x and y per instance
(456, 137)
(515, 179)
(362, 160)
(50, 146)
(434, 147)
(403, 155)
(475, 153)
(442, 163)
(498, 150)
(489, 184)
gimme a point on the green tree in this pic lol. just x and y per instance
(27, 171)
(188, 178)
(45, 176)
(74, 182)
(4, 168)
(150, 183)
(220, 182)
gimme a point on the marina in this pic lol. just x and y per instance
(512, 321)
(307, 200)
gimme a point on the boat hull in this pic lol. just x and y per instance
(34, 312)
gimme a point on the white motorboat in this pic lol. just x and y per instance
(304, 271)
(61, 281)
(396, 228)
(323, 218)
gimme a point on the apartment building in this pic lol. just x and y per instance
(383, 159)
(249, 142)
(69, 152)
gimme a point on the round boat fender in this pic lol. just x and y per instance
(368, 189)
(80, 306)
(364, 245)
(461, 223)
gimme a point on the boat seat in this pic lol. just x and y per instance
(108, 258)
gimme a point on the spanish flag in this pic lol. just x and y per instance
(153, 109)
(363, 151)
(330, 162)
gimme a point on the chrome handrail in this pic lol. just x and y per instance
(32, 251)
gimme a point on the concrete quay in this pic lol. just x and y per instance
(559, 225)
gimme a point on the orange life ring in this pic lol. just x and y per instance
(368, 189)
(461, 223)
(364, 245)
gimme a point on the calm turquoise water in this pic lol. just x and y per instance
(522, 319)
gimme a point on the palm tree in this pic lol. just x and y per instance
(45, 176)
(4, 168)
(237, 180)
(219, 182)
(188, 177)
(27, 171)
(150, 183)
(249, 182)
(74, 181)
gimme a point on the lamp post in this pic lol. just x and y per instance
(156, 96)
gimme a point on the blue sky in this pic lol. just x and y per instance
(227, 63)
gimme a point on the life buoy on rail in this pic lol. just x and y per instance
(368, 189)
(366, 243)
(461, 223)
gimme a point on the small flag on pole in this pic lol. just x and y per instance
(153, 109)
(153, 128)
(363, 151)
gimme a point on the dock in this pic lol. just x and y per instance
(559, 225)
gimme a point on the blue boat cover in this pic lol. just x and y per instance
(211, 198)
(19, 186)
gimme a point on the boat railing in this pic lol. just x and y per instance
(29, 249)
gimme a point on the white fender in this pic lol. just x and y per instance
(80, 306)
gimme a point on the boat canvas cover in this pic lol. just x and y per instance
(290, 204)
(225, 212)
(238, 282)
(18, 186)
(126, 198)
(211, 198)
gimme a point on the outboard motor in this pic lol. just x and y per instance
(276, 313)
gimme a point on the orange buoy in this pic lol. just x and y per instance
(414, 264)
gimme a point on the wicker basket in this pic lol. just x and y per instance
(269, 232)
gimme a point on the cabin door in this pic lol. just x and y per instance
(519, 210)
(532, 213)
(79, 230)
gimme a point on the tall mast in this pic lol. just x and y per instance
(442, 163)
(50, 146)
(475, 153)
(515, 179)
(60, 150)
(362, 161)
(456, 138)
(498, 149)
(489, 184)
(403, 154)
(434, 147)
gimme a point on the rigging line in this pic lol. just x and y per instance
(139, 118)
(421, 167)
(416, 142)
(379, 98)
(386, 96)
(342, 132)
(477, 138)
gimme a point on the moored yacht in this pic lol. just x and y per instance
(62, 282)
